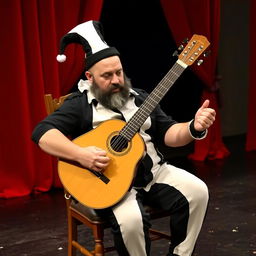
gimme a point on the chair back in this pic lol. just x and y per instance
(51, 104)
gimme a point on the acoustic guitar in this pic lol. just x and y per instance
(123, 144)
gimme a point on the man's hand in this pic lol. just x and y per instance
(204, 117)
(93, 158)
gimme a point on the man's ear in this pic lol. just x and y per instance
(88, 75)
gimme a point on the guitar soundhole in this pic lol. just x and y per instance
(118, 143)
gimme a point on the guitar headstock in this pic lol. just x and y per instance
(193, 50)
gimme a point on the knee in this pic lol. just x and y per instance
(204, 191)
(201, 193)
(132, 224)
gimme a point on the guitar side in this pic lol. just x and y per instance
(89, 189)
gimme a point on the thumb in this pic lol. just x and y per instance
(205, 104)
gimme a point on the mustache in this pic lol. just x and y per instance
(117, 86)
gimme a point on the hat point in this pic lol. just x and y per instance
(61, 58)
(90, 36)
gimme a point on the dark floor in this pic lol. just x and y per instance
(36, 225)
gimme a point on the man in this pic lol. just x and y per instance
(107, 94)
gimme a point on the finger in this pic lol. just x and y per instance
(205, 104)
(102, 166)
(97, 165)
(101, 152)
(205, 122)
(208, 113)
(103, 159)
(97, 169)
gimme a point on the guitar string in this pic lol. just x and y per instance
(127, 133)
(149, 105)
(120, 141)
(152, 102)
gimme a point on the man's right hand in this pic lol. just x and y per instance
(93, 158)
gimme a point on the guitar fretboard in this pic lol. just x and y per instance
(138, 119)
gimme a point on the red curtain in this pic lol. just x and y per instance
(251, 130)
(30, 34)
(186, 18)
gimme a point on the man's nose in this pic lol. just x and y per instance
(115, 79)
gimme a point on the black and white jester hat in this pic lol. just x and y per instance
(90, 35)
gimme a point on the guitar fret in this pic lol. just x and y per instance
(151, 102)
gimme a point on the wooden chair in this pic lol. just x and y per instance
(80, 214)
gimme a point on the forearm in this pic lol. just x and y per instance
(55, 143)
(178, 135)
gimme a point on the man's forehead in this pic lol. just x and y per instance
(107, 64)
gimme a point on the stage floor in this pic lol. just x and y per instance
(36, 225)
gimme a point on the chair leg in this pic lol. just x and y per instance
(98, 235)
(72, 235)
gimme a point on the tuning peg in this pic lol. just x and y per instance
(185, 40)
(199, 62)
(181, 47)
(207, 53)
(175, 53)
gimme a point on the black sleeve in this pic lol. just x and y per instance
(68, 119)
(160, 121)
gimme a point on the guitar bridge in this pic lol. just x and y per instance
(101, 176)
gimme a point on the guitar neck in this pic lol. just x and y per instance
(138, 119)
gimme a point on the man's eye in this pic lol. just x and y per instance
(106, 76)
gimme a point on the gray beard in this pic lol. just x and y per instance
(112, 100)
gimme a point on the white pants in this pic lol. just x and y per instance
(174, 189)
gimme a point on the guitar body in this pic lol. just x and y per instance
(89, 189)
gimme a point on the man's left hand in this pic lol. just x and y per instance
(204, 117)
